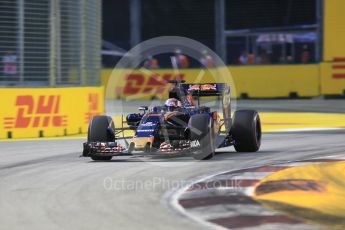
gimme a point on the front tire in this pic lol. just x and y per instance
(101, 129)
(246, 131)
(200, 126)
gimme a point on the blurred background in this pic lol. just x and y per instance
(57, 42)
(268, 31)
(49, 42)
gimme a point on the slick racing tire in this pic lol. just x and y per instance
(246, 131)
(101, 129)
(201, 136)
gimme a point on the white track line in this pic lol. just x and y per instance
(304, 130)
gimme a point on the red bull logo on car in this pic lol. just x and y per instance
(209, 87)
(203, 87)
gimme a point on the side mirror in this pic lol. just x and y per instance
(143, 109)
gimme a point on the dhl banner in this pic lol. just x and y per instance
(48, 112)
(334, 32)
(147, 84)
(249, 81)
(276, 81)
(333, 78)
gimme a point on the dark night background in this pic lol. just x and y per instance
(195, 18)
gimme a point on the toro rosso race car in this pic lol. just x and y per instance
(181, 125)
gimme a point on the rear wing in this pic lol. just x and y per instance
(206, 89)
(213, 89)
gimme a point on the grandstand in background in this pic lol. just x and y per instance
(276, 31)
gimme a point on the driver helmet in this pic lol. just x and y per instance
(173, 102)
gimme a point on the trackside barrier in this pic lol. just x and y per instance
(333, 78)
(146, 84)
(276, 81)
(250, 81)
(333, 35)
(48, 112)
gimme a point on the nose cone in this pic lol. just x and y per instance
(141, 142)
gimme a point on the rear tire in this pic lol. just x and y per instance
(246, 131)
(201, 131)
(101, 129)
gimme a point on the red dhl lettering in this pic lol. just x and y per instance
(133, 83)
(93, 110)
(43, 112)
(155, 84)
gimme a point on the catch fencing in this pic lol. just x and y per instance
(50, 42)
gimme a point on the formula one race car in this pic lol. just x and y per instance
(181, 125)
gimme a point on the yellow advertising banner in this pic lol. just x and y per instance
(145, 84)
(48, 112)
(334, 32)
(333, 78)
(277, 81)
(249, 81)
